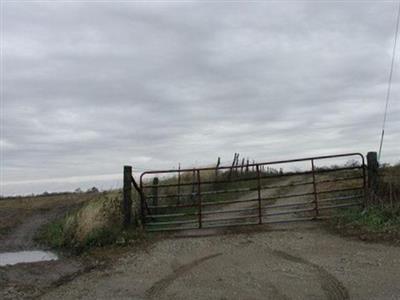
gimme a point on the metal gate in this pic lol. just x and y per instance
(259, 193)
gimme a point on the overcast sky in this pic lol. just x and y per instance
(90, 86)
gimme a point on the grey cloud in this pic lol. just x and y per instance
(89, 87)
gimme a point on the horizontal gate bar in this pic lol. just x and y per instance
(172, 222)
(204, 182)
(288, 204)
(227, 202)
(230, 219)
(288, 196)
(228, 211)
(338, 179)
(340, 198)
(172, 215)
(341, 190)
(170, 229)
(263, 163)
(341, 205)
(241, 179)
(204, 193)
(289, 212)
(289, 220)
(230, 225)
(173, 206)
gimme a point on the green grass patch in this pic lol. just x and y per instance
(374, 219)
(374, 224)
(101, 237)
(52, 234)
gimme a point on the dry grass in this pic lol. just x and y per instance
(15, 210)
(101, 213)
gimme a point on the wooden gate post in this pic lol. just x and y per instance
(127, 196)
(373, 165)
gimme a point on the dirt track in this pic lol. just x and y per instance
(21, 237)
(26, 217)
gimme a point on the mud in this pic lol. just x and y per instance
(30, 280)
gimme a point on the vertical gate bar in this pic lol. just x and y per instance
(364, 182)
(193, 188)
(315, 188)
(142, 203)
(199, 196)
(259, 195)
(179, 184)
(155, 194)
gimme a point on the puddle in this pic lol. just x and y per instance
(12, 258)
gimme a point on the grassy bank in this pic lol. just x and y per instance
(96, 224)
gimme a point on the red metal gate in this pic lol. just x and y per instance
(259, 193)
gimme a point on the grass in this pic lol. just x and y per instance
(373, 219)
(52, 235)
(374, 224)
(97, 223)
(59, 236)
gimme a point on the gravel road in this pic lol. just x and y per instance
(290, 261)
(287, 262)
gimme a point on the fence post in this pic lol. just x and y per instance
(372, 163)
(372, 176)
(127, 195)
(155, 194)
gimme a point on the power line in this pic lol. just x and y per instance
(389, 83)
